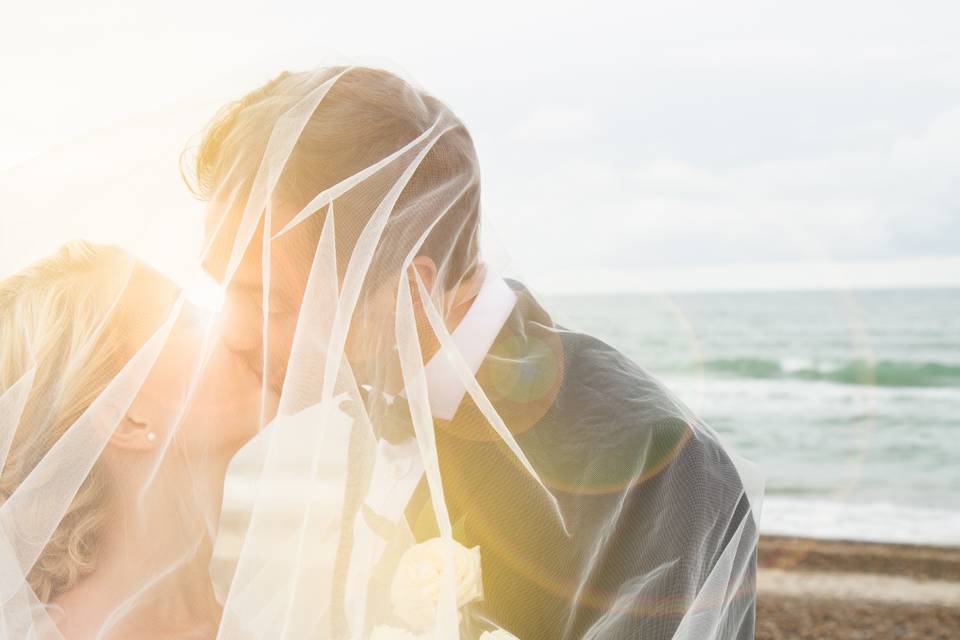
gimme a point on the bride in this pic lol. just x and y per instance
(99, 357)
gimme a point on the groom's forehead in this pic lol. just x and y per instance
(223, 243)
(224, 238)
(288, 270)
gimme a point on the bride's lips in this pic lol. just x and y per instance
(255, 391)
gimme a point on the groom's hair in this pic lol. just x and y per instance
(366, 115)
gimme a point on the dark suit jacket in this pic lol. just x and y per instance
(647, 494)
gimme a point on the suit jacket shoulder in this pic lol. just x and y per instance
(627, 463)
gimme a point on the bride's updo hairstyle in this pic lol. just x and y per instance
(64, 316)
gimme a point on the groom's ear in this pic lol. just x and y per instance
(427, 269)
(134, 433)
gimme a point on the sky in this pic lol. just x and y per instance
(624, 146)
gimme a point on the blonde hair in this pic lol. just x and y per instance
(62, 315)
(366, 115)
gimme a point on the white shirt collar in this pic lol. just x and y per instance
(473, 338)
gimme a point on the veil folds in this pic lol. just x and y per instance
(436, 457)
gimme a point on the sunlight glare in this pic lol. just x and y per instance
(204, 292)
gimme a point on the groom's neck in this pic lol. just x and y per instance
(462, 298)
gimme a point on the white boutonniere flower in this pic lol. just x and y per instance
(392, 633)
(416, 586)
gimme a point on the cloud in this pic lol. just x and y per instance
(894, 201)
(630, 136)
(553, 124)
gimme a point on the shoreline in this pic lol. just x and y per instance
(824, 589)
(918, 561)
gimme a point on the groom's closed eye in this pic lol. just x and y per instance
(280, 304)
(250, 297)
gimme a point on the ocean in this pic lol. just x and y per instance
(849, 402)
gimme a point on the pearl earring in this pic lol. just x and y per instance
(151, 436)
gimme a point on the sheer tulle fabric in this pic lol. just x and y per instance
(647, 523)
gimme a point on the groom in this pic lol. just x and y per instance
(652, 502)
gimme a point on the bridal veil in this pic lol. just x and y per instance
(341, 210)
